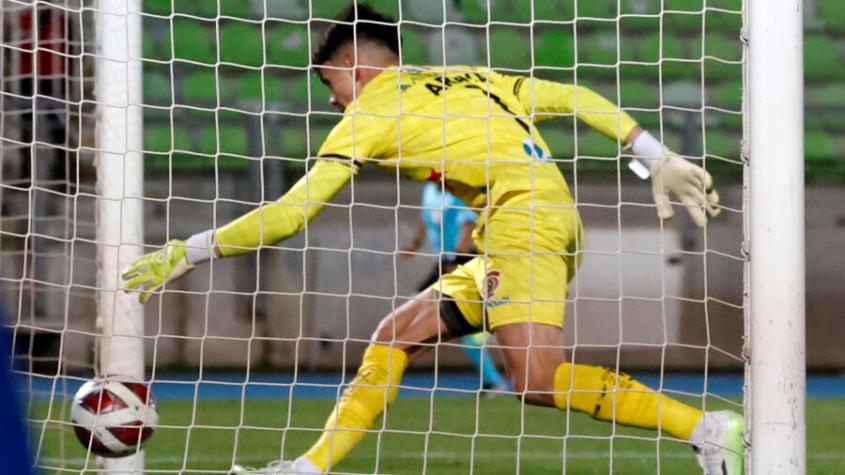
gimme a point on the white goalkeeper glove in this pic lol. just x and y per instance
(690, 183)
(152, 270)
(671, 174)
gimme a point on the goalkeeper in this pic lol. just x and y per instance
(473, 131)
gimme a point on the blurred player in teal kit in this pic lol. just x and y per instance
(447, 224)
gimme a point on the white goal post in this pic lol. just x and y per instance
(775, 124)
(118, 88)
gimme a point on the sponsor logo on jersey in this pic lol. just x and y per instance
(488, 304)
(533, 150)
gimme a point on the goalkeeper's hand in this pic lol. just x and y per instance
(691, 184)
(152, 270)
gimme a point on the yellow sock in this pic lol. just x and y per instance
(367, 396)
(604, 396)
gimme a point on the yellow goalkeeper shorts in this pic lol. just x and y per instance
(491, 291)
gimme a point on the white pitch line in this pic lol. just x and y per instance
(442, 454)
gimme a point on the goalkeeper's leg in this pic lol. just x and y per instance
(479, 354)
(540, 375)
(399, 338)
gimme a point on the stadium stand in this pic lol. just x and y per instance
(628, 50)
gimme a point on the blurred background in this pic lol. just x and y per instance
(231, 111)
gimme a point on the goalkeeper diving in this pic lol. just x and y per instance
(471, 130)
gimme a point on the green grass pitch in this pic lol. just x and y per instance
(462, 433)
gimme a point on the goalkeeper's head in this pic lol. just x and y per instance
(358, 45)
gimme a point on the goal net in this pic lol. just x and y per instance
(247, 356)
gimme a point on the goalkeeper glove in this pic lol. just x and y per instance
(671, 174)
(690, 183)
(152, 270)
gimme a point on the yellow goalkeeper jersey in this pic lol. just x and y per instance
(470, 129)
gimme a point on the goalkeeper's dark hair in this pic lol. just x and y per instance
(362, 22)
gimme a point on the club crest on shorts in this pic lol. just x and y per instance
(491, 281)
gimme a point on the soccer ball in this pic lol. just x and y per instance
(114, 418)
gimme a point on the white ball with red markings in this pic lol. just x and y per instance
(114, 418)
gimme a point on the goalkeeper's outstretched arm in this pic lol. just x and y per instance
(670, 173)
(285, 217)
(264, 226)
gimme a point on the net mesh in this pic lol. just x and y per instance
(247, 355)
(47, 197)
